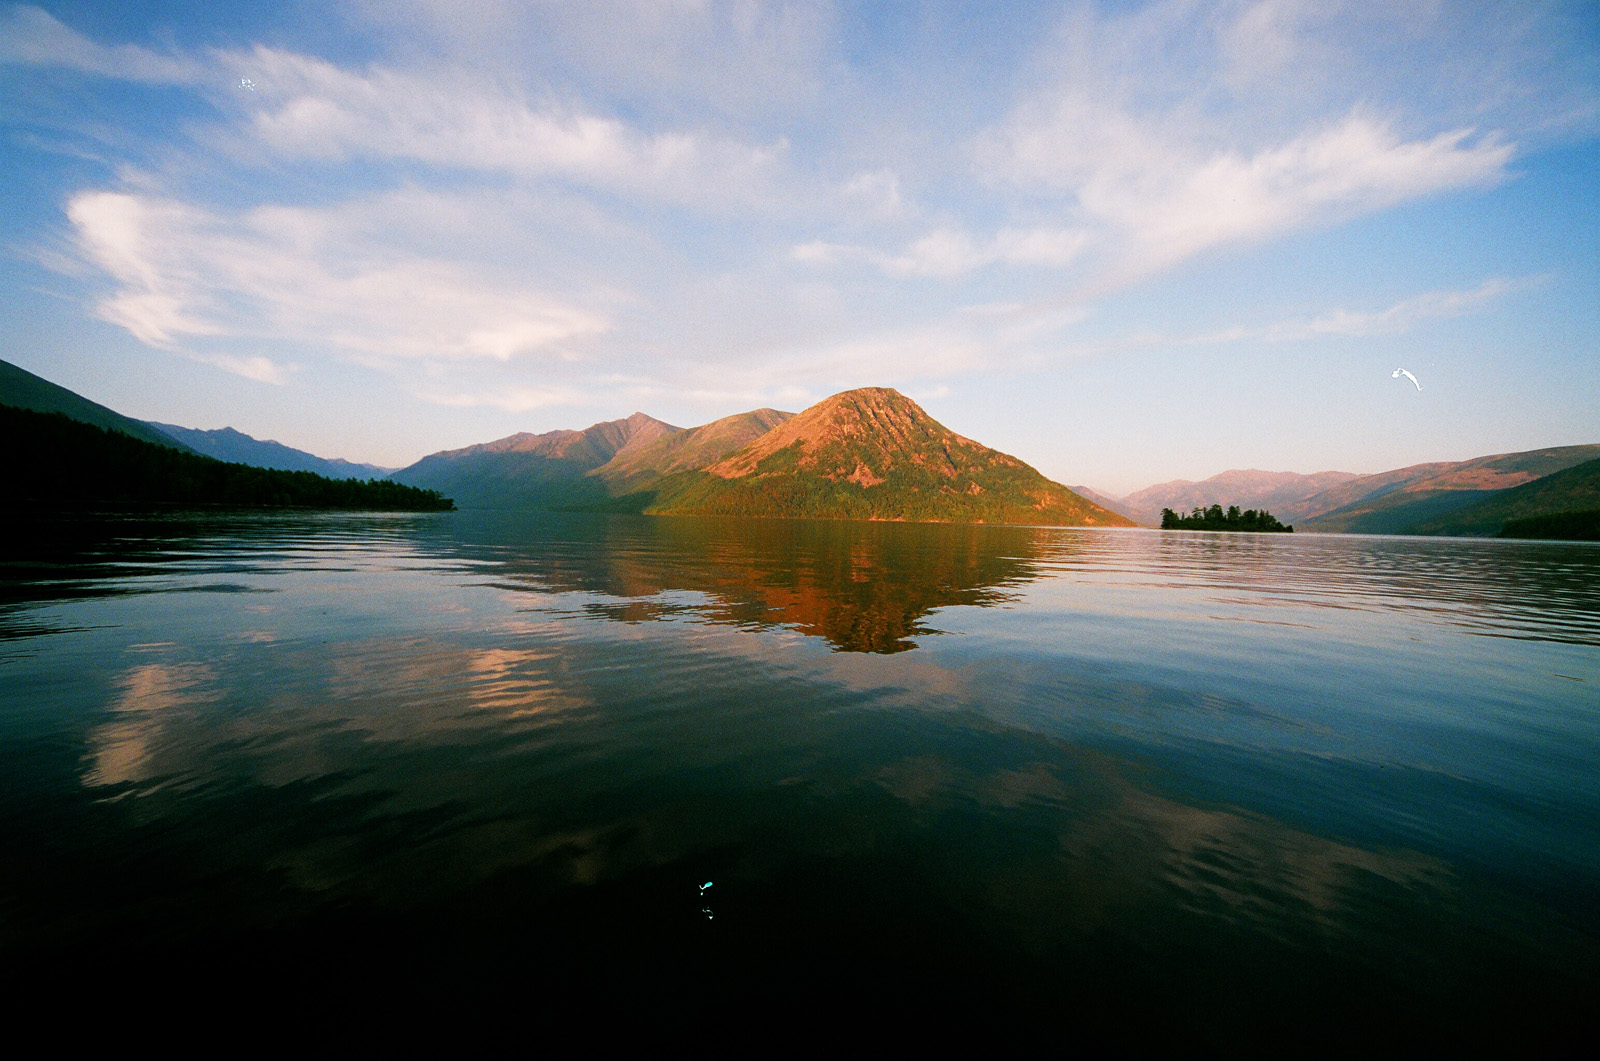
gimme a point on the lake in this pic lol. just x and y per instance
(1186, 787)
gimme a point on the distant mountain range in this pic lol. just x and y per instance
(871, 453)
(1450, 497)
(21, 389)
(1287, 495)
(1407, 500)
(226, 444)
(875, 454)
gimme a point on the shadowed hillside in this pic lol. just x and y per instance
(21, 389)
(1572, 490)
(550, 470)
(1406, 500)
(60, 461)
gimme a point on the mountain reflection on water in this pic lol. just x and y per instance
(1199, 788)
(859, 587)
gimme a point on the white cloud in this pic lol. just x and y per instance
(308, 108)
(512, 399)
(31, 37)
(1181, 127)
(1358, 166)
(878, 194)
(1151, 201)
(308, 276)
(260, 369)
(950, 253)
(1401, 316)
(729, 57)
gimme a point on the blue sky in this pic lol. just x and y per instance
(1125, 242)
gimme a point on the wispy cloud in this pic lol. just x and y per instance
(1401, 316)
(512, 399)
(304, 107)
(951, 253)
(306, 276)
(32, 37)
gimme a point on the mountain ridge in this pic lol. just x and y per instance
(869, 453)
(1396, 501)
(229, 444)
(21, 389)
(534, 470)
(873, 453)
(1288, 495)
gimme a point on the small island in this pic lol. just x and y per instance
(1214, 518)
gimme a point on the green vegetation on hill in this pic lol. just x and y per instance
(57, 460)
(779, 488)
(1565, 526)
(21, 389)
(1570, 490)
(1214, 518)
(551, 471)
(873, 453)
(1440, 498)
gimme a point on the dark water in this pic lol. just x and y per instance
(1205, 789)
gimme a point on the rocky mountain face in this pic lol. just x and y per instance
(873, 453)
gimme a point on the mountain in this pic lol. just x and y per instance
(1103, 500)
(641, 466)
(226, 444)
(550, 470)
(21, 389)
(56, 460)
(1574, 489)
(1289, 496)
(1407, 499)
(873, 453)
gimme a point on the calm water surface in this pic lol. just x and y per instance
(1196, 787)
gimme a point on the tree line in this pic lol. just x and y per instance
(1215, 518)
(54, 459)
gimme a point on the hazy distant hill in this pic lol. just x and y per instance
(21, 389)
(1288, 495)
(1573, 489)
(1103, 500)
(1406, 499)
(873, 453)
(550, 470)
(226, 444)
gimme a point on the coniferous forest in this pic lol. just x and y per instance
(1581, 526)
(1214, 518)
(56, 460)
